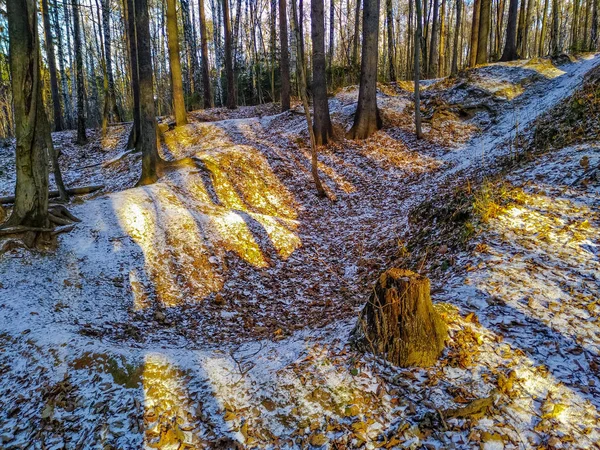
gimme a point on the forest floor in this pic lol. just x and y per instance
(213, 308)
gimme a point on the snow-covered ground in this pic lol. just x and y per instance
(212, 309)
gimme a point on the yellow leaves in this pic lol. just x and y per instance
(554, 410)
(318, 440)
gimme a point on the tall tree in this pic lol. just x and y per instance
(595, 24)
(367, 119)
(208, 102)
(433, 52)
(231, 100)
(322, 122)
(146, 142)
(110, 99)
(454, 69)
(474, 33)
(285, 58)
(175, 65)
(301, 73)
(129, 10)
(355, 38)
(554, 34)
(57, 114)
(418, 39)
(543, 30)
(190, 43)
(31, 192)
(389, 17)
(331, 34)
(510, 48)
(61, 63)
(81, 132)
(442, 52)
(485, 17)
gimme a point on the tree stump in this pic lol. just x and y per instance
(399, 322)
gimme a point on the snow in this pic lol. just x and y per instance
(119, 337)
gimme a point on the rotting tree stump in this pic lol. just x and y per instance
(399, 322)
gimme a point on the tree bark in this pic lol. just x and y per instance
(111, 96)
(301, 72)
(57, 114)
(510, 48)
(554, 37)
(543, 32)
(454, 69)
(175, 65)
(208, 102)
(355, 40)
(190, 42)
(129, 9)
(81, 132)
(331, 35)
(31, 192)
(417, 77)
(389, 16)
(484, 31)
(63, 76)
(322, 123)
(231, 100)
(594, 33)
(146, 142)
(474, 33)
(367, 120)
(285, 58)
(433, 52)
(399, 322)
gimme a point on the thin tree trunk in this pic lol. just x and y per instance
(594, 34)
(322, 128)
(525, 43)
(57, 114)
(147, 142)
(190, 42)
(454, 70)
(331, 35)
(355, 40)
(442, 47)
(175, 65)
(474, 33)
(285, 61)
(61, 63)
(418, 39)
(135, 80)
(389, 14)
(112, 99)
(554, 35)
(543, 32)
(208, 103)
(301, 69)
(367, 119)
(81, 135)
(231, 101)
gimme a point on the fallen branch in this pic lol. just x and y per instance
(23, 229)
(474, 410)
(54, 194)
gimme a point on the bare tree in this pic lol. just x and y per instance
(367, 119)
(57, 114)
(322, 123)
(81, 132)
(418, 39)
(231, 100)
(175, 65)
(208, 103)
(285, 59)
(510, 48)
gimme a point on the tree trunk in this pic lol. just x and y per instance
(301, 69)
(81, 136)
(208, 103)
(433, 52)
(441, 71)
(399, 323)
(285, 58)
(111, 96)
(510, 48)
(146, 143)
(129, 10)
(175, 65)
(554, 37)
(454, 70)
(389, 16)
(585, 23)
(331, 35)
(355, 40)
(484, 31)
(190, 42)
(231, 101)
(31, 192)
(63, 76)
(543, 32)
(594, 34)
(57, 114)
(367, 120)
(418, 39)
(474, 33)
(322, 123)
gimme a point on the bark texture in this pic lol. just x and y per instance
(81, 135)
(231, 100)
(56, 109)
(175, 65)
(510, 48)
(31, 193)
(399, 322)
(285, 57)
(322, 122)
(367, 120)
(208, 101)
